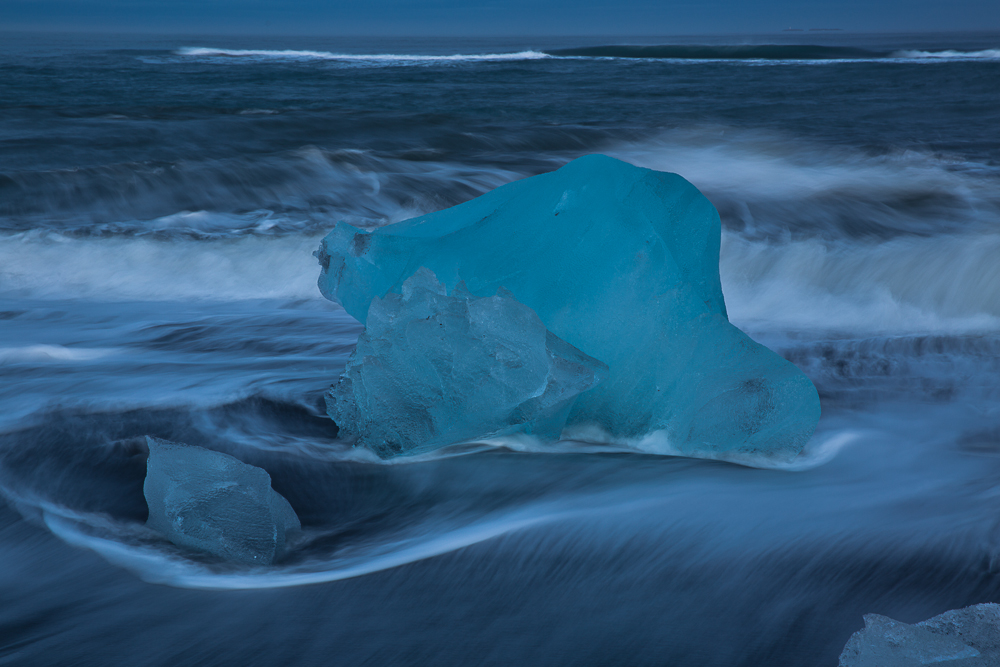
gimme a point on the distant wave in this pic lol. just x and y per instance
(985, 54)
(356, 57)
(763, 52)
(723, 52)
(661, 52)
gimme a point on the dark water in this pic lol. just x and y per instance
(160, 199)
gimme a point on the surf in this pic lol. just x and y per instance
(384, 58)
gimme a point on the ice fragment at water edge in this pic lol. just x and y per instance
(213, 502)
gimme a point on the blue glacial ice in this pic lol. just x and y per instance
(621, 263)
(432, 369)
(968, 637)
(213, 502)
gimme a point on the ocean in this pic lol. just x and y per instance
(160, 201)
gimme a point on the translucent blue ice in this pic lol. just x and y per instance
(968, 637)
(213, 502)
(433, 369)
(621, 263)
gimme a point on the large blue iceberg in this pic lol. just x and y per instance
(621, 263)
(432, 369)
(213, 502)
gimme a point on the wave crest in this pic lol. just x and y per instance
(765, 52)
(985, 54)
(267, 54)
(722, 52)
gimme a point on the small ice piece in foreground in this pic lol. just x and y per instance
(433, 369)
(968, 637)
(622, 263)
(214, 502)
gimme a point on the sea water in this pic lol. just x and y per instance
(160, 200)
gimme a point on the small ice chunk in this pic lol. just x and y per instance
(968, 637)
(213, 502)
(433, 369)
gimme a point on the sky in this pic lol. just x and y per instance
(497, 17)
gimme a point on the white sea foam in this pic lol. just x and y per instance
(53, 353)
(158, 567)
(758, 165)
(908, 284)
(985, 54)
(591, 439)
(130, 546)
(291, 54)
(56, 266)
(204, 52)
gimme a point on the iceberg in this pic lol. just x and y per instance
(433, 369)
(968, 637)
(213, 502)
(621, 263)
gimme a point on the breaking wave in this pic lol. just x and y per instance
(725, 52)
(949, 283)
(767, 185)
(816, 236)
(907, 284)
(262, 54)
(780, 52)
(764, 52)
(985, 54)
(288, 192)
(57, 266)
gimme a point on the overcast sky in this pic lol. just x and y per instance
(498, 17)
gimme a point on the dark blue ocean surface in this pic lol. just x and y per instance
(160, 199)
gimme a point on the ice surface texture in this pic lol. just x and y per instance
(621, 263)
(432, 369)
(213, 502)
(967, 637)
